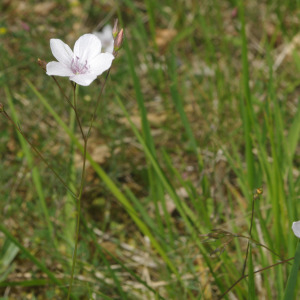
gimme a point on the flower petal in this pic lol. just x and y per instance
(110, 48)
(83, 79)
(61, 51)
(87, 47)
(59, 69)
(296, 229)
(101, 63)
(106, 38)
(107, 31)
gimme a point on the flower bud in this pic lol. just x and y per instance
(25, 26)
(42, 64)
(119, 40)
(1, 107)
(234, 13)
(115, 29)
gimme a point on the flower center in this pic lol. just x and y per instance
(78, 67)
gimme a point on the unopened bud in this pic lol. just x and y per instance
(1, 107)
(234, 13)
(258, 192)
(42, 64)
(119, 40)
(115, 29)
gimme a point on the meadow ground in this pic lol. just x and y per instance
(194, 152)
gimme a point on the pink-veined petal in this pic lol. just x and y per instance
(87, 47)
(296, 228)
(101, 63)
(58, 69)
(61, 51)
(83, 79)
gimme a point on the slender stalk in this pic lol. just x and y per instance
(85, 140)
(37, 152)
(74, 106)
(78, 204)
(78, 208)
(97, 105)
(62, 91)
(250, 233)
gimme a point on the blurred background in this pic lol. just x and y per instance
(212, 87)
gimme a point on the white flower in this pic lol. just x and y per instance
(84, 64)
(106, 38)
(296, 229)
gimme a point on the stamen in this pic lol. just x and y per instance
(77, 67)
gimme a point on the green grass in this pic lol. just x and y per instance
(190, 125)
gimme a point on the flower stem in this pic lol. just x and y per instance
(78, 208)
(78, 204)
(250, 233)
(97, 104)
(62, 91)
(85, 140)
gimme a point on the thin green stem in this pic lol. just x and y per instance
(78, 221)
(62, 91)
(74, 106)
(78, 205)
(85, 140)
(250, 235)
(77, 115)
(97, 104)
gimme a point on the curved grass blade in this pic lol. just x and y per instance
(292, 281)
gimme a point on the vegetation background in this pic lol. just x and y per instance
(200, 110)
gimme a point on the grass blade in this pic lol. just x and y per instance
(291, 285)
(246, 104)
(31, 257)
(35, 173)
